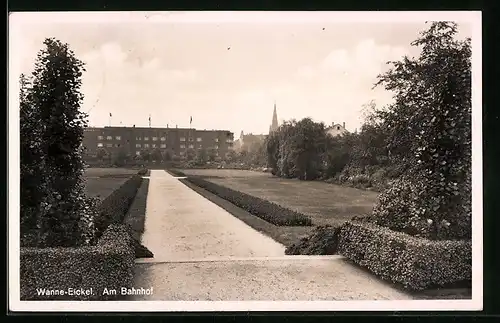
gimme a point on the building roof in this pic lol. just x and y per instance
(157, 128)
(250, 135)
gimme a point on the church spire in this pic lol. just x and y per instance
(274, 123)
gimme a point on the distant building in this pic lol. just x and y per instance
(274, 123)
(249, 141)
(174, 141)
(336, 129)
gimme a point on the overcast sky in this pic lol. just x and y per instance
(225, 73)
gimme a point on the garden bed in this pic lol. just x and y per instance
(114, 208)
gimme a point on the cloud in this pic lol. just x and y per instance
(362, 62)
(335, 88)
(306, 72)
(337, 60)
(349, 72)
(118, 81)
(112, 60)
(189, 75)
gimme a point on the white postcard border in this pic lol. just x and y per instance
(18, 19)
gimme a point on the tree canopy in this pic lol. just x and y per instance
(429, 129)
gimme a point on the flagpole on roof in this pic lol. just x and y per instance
(110, 115)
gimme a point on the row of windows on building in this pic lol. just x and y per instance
(182, 153)
(199, 139)
(182, 146)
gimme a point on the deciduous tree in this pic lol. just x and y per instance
(429, 129)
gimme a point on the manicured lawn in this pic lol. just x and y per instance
(324, 203)
(101, 182)
(106, 172)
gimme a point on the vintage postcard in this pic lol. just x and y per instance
(245, 161)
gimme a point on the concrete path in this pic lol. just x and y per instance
(315, 278)
(204, 253)
(180, 223)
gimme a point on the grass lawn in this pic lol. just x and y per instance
(324, 203)
(101, 182)
(225, 173)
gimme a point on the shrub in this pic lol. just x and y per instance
(361, 181)
(398, 209)
(415, 263)
(265, 210)
(114, 208)
(109, 265)
(404, 207)
(87, 221)
(322, 241)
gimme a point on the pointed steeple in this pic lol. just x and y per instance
(274, 123)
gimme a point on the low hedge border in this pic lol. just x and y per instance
(175, 173)
(109, 265)
(136, 217)
(144, 172)
(323, 240)
(114, 207)
(263, 209)
(415, 263)
(136, 214)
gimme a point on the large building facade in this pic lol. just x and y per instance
(173, 141)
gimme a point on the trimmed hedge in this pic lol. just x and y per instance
(109, 265)
(265, 210)
(136, 214)
(175, 172)
(323, 240)
(114, 208)
(143, 172)
(415, 263)
(136, 217)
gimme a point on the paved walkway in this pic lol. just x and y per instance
(204, 253)
(180, 223)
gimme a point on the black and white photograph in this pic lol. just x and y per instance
(245, 161)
